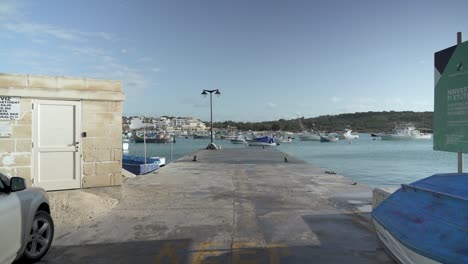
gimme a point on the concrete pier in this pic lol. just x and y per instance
(229, 206)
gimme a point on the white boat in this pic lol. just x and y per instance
(309, 137)
(405, 132)
(347, 134)
(254, 143)
(160, 160)
(328, 138)
(398, 250)
(125, 146)
(262, 141)
(239, 140)
(285, 140)
(426, 221)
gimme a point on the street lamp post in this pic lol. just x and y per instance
(217, 92)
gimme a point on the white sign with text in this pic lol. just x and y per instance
(9, 108)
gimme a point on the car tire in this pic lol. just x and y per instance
(40, 237)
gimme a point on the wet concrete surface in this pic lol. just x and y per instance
(230, 206)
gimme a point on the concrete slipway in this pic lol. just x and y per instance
(230, 206)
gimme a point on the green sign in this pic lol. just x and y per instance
(451, 99)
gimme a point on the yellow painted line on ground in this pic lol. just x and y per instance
(169, 251)
(242, 253)
(203, 252)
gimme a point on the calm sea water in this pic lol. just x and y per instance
(377, 163)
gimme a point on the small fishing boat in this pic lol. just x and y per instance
(285, 140)
(309, 136)
(328, 138)
(239, 140)
(347, 134)
(152, 137)
(227, 137)
(262, 141)
(426, 221)
(137, 166)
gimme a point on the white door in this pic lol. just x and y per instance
(56, 144)
(10, 221)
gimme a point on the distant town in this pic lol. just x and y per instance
(163, 123)
(360, 122)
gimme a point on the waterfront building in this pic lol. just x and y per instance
(61, 132)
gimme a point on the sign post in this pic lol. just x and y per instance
(451, 100)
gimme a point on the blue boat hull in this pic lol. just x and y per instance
(136, 165)
(429, 217)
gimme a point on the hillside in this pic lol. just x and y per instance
(361, 122)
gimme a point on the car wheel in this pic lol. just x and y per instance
(40, 237)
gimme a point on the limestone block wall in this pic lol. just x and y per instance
(16, 151)
(102, 146)
(101, 119)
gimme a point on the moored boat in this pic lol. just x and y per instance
(137, 166)
(152, 138)
(227, 137)
(328, 138)
(347, 134)
(426, 221)
(309, 136)
(285, 140)
(262, 141)
(239, 140)
(405, 132)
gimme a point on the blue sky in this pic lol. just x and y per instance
(271, 59)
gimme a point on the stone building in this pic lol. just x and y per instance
(61, 132)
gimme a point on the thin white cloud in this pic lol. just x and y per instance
(88, 51)
(123, 50)
(132, 77)
(156, 69)
(145, 59)
(271, 105)
(335, 99)
(40, 29)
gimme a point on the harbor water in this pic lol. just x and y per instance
(377, 163)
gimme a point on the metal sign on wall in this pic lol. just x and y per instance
(451, 99)
(9, 108)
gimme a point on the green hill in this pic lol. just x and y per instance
(360, 122)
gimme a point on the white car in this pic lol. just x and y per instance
(26, 227)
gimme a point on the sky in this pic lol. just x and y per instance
(270, 59)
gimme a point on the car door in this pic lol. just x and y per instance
(10, 224)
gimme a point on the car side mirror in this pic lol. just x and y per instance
(17, 184)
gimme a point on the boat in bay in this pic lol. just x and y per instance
(284, 140)
(309, 136)
(426, 221)
(262, 141)
(227, 137)
(328, 138)
(152, 137)
(347, 134)
(405, 132)
(239, 140)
